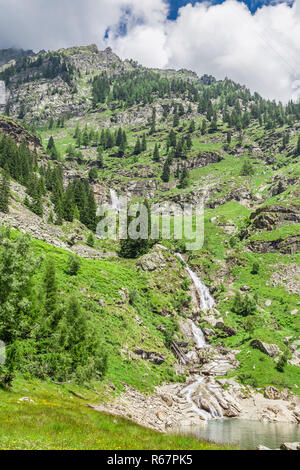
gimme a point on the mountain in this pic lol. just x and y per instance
(81, 127)
(12, 54)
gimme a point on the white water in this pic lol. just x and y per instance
(199, 337)
(3, 94)
(115, 202)
(199, 391)
(206, 300)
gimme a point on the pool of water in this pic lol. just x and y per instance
(246, 434)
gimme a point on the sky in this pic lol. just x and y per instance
(253, 42)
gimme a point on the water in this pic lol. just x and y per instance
(115, 202)
(3, 94)
(199, 337)
(206, 300)
(246, 434)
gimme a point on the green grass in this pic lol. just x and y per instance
(57, 420)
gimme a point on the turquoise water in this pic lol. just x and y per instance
(246, 434)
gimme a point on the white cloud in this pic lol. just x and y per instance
(258, 50)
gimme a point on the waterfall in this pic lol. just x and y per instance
(115, 202)
(199, 337)
(3, 95)
(206, 300)
(198, 394)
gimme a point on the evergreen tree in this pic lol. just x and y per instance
(156, 156)
(50, 288)
(298, 146)
(144, 144)
(4, 192)
(184, 178)
(100, 158)
(137, 148)
(192, 127)
(166, 174)
(247, 169)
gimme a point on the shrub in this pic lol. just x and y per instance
(244, 305)
(73, 265)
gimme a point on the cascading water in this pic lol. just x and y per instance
(115, 202)
(206, 300)
(3, 95)
(199, 391)
(199, 337)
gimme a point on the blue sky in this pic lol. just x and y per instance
(253, 5)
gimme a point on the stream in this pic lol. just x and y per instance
(207, 400)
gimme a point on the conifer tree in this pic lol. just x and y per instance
(137, 148)
(166, 174)
(144, 144)
(156, 156)
(4, 192)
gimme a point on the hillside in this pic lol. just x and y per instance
(81, 127)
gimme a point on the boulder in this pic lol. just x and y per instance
(290, 446)
(154, 260)
(272, 393)
(153, 357)
(271, 350)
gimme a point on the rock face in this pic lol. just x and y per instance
(12, 129)
(270, 217)
(289, 245)
(153, 261)
(270, 349)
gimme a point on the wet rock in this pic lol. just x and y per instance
(290, 446)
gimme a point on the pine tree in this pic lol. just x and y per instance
(192, 127)
(51, 144)
(166, 174)
(228, 137)
(247, 169)
(298, 146)
(204, 127)
(137, 148)
(50, 288)
(156, 156)
(4, 192)
(176, 120)
(91, 240)
(100, 157)
(184, 178)
(144, 144)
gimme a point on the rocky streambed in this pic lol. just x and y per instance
(204, 397)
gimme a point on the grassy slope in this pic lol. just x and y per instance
(226, 175)
(57, 420)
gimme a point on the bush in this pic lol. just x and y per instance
(255, 268)
(244, 305)
(73, 265)
(280, 366)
